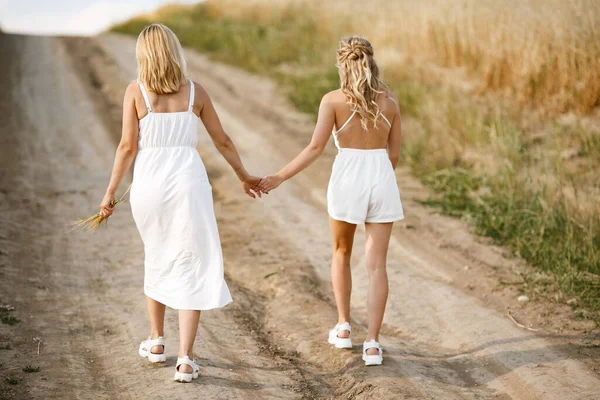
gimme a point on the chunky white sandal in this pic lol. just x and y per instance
(376, 359)
(186, 377)
(146, 350)
(340, 343)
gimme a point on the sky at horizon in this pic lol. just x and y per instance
(72, 17)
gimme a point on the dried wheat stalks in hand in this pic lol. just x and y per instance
(92, 223)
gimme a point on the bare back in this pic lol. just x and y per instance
(167, 103)
(353, 135)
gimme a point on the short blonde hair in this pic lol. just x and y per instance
(161, 64)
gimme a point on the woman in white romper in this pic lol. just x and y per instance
(171, 197)
(362, 188)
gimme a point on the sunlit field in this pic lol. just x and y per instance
(500, 102)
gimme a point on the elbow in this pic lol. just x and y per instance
(127, 149)
(316, 149)
(224, 144)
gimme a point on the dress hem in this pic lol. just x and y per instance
(174, 307)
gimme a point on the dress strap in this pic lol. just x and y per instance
(145, 94)
(386, 120)
(192, 96)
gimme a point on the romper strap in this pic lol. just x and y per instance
(335, 133)
(192, 96)
(145, 94)
(386, 120)
(345, 123)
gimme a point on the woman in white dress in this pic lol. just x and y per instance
(171, 197)
(362, 188)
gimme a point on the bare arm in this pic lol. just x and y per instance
(125, 152)
(224, 144)
(395, 137)
(321, 135)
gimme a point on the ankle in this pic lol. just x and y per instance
(369, 338)
(189, 354)
(156, 335)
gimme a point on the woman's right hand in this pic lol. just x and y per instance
(250, 186)
(106, 208)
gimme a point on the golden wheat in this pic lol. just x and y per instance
(92, 223)
(543, 53)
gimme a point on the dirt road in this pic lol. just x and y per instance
(446, 333)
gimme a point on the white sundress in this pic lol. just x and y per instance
(172, 205)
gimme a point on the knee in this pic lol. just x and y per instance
(342, 252)
(378, 267)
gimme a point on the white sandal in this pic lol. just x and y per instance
(369, 359)
(340, 343)
(146, 350)
(186, 377)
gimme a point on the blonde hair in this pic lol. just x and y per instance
(161, 64)
(360, 78)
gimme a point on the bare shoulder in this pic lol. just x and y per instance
(200, 94)
(335, 96)
(390, 96)
(391, 100)
(201, 98)
(133, 96)
(133, 89)
(198, 88)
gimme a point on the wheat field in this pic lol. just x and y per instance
(544, 53)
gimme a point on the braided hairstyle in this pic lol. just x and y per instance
(360, 78)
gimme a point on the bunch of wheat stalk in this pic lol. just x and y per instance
(92, 223)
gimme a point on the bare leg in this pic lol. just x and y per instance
(378, 240)
(188, 326)
(156, 315)
(341, 277)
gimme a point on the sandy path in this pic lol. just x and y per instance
(446, 334)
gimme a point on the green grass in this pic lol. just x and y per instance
(12, 381)
(29, 369)
(546, 237)
(6, 347)
(504, 192)
(306, 91)
(9, 319)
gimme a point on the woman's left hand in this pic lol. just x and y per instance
(270, 182)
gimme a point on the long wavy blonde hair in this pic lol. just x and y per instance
(161, 64)
(360, 78)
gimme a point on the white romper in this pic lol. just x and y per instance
(363, 186)
(172, 205)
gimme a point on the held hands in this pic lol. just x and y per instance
(250, 186)
(254, 186)
(269, 183)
